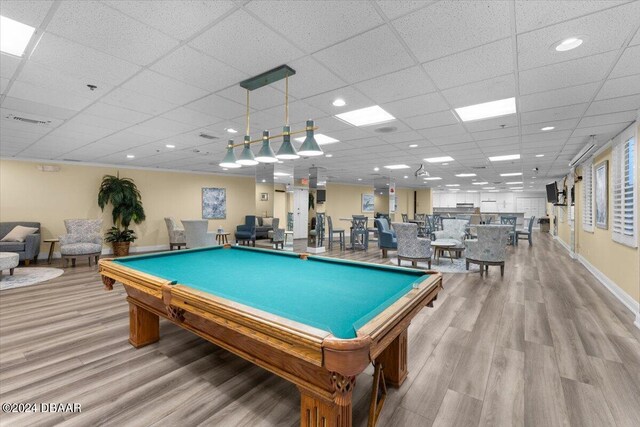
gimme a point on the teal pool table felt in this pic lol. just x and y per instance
(337, 296)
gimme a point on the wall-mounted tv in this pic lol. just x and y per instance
(321, 196)
(552, 193)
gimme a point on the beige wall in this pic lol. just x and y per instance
(424, 201)
(264, 208)
(26, 194)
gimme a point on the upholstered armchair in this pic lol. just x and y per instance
(197, 234)
(489, 248)
(386, 236)
(275, 224)
(410, 246)
(278, 237)
(177, 235)
(246, 233)
(452, 229)
(83, 239)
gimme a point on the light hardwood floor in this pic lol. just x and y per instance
(546, 345)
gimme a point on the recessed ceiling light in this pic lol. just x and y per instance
(131, 156)
(464, 175)
(339, 103)
(501, 107)
(170, 146)
(480, 183)
(454, 189)
(547, 128)
(539, 155)
(264, 180)
(488, 188)
(14, 36)
(568, 44)
(321, 139)
(472, 191)
(328, 155)
(503, 158)
(281, 174)
(514, 182)
(397, 167)
(432, 178)
(511, 174)
(366, 116)
(516, 188)
(439, 159)
(413, 145)
(225, 169)
(406, 176)
(231, 130)
(445, 164)
(359, 179)
(376, 169)
(452, 185)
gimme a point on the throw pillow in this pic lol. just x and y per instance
(267, 222)
(19, 233)
(259, 221)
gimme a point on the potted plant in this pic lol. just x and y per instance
(126, 202)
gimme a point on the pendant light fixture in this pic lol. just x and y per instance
(287, 151)
(310, 147)
(246, 157)
(266, 154)
(229, 160)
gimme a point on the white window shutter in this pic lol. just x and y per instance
(587, 196)
(624, 170)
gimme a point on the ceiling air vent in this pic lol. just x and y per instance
(386, 129)
(71, 160)
(478, 167)
(31, 121)
(207, 136)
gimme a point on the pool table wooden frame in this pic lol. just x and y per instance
(322, 366)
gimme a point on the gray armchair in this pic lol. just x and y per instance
(27, 250)
(177, 235)
(489, 248)
(246, 233)
(83, 239)
(275, 224)
(196, 233)
(386, 236)
(452, 229)
(410, 246)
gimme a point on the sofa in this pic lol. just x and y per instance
(262, 228)
(29, 249)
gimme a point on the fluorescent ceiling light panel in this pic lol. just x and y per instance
(392, 167)
(413, 145)
(539, 155)
(480, 183)
(514, 182)
(472, 191)
(516, 188)
(366, 116)
(546, 128)
(14, 36)
(503, 158)
(321, 139)
(488, 188)
(511, 174)
(281, 174)
(464, 175)
(452, 185)
(432, 178)
(439, 159)
(501, 107)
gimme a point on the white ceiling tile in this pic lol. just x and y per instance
(476, 93)
(191, 117)
(98, 121)
(636, 39)
(606, 119)
(397, 85)
(94, 24)
(45, 77)
(417, 105)
(253, 51)
(483, 22)
(558, 97)
(8, 65)
(197, 69)
(4, 83)
(55, 98)
(495, 133)
(259, 99)
(557, 124)
(441, 131)
(125, 139)
(170, 127)
(79, 61)
(354, 100)
(316, 25)
(423, 121)
(556, 136)
(449, 139)
(531, 14)
(602, 32)
(311, 78)
(218, 107)
(484, 62)
(394, 8)
(551, 114)
(401, 137)
(44, 110)
(165, 88)
(28, 12)
(629, 63)
(136, 101)
(603, 133)
(179, 19)
(115, 113)
(619, 87)
(497, 123)
(365, 56)
(299, 111)
(564, 74)
(624, 103)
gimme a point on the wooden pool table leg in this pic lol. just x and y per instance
(394, 361)
(316, 411)
(144, 326)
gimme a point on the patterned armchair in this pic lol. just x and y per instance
(83, 238)
(410, 246)
(197, 234)
(489, 248)
(386, 236)
(275, 224)
(278, 237)
(452, 229)
(246, 233)
(177, 235)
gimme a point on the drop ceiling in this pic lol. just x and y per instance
(168, 71)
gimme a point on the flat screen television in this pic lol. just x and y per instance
(321, 196)
(552, 193)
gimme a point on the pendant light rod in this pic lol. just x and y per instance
(247, 113)
(286, 100)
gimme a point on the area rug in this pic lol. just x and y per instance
(28, 276)
(443, 266)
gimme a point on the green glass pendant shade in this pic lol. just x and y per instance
(266, 154)
(310, 147)
(287, 151)
(246, 157)
(229, 160)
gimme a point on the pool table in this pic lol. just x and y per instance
(317, 322)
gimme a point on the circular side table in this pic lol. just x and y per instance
(222, 238)
(439, 246)
(51, 248)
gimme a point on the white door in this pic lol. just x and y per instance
(300, 213)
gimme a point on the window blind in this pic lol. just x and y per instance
(587, 196)
(624, 204)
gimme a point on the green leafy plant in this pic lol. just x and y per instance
(116, 235)
(126, 201)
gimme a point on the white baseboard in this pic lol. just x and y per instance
(108, 250)
(616, 290)
(563, 244)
